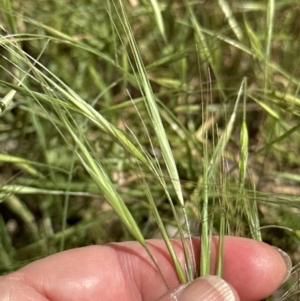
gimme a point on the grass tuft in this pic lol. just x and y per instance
(142, 119)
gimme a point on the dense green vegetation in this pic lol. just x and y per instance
(139, 119)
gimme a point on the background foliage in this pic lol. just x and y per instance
(224, 77)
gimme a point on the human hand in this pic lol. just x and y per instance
(124, 271)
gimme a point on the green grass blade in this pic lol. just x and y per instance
(269, 38)
(6, 100)
(153, 111)
(234, 25)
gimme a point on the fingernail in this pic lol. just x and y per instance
(206, 289)
(288, 263)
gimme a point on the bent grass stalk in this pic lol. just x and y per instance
(150, 103)
(99, 175)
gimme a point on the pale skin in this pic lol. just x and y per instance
(123, 271)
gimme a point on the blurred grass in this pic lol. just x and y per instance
(179, 114)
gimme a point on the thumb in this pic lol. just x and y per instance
(206, 288)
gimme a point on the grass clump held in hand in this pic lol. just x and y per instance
(122, 120)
